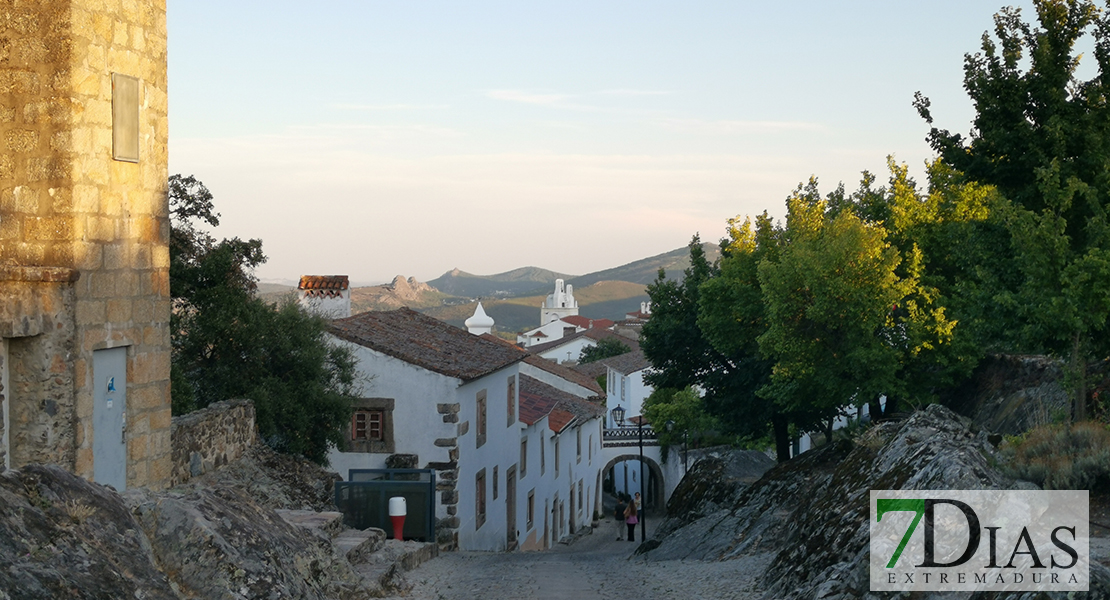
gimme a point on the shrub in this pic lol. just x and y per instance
(1063, 457)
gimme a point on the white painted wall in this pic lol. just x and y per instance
(501, 450)
(572, 350)
(416, 423)
(555, 381)
(338, 307)
(552, 331)
(629, 391)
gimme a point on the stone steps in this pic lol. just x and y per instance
(358, 545)
(381, 562)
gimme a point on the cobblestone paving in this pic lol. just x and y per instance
(596, 566)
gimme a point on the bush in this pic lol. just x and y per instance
(1063, 457)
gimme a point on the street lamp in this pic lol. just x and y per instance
(618, 416)
(641, 511)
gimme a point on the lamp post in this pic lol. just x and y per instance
(641, 511)
(618, 416)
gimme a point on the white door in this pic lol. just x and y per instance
(109, 417)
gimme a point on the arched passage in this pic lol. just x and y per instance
(653, 488)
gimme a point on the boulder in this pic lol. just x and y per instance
(64, 537)
(219, 543)
(812, 513)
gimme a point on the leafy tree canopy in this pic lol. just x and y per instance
(1041, 136)
(228, 344)
(605, 348)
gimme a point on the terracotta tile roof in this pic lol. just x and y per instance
(502, 341)
(593, 370)
(425, 342)
(593, 334)
(324, 282)
(584, 323)
(571, 375)
(323, 286)
(629, 362)
(537, 399)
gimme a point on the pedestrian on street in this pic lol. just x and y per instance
(631, 520)
(619, 516)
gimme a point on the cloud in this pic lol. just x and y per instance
(736, 127)
(624, 92)
(374, 107)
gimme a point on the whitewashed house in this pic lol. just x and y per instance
(449, 398)
(453, 400)
(325, 295)
(561, 462)
(569, 348)
(624, 380)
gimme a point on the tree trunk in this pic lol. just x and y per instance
(827, 426)
(875, 409)
(1079, 372)
(782, 437)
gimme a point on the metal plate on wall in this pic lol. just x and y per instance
(125, 118)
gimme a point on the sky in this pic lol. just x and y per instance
(377, 138)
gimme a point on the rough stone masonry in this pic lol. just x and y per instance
(84, 228)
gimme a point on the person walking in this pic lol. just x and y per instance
(619, 516)
(631, 520)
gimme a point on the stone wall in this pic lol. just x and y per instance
(65, 202)
(211, 437)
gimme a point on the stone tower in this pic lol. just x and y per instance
(84, 231)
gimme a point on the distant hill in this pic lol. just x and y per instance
(643, 271)
(503, 285)
(603, 300)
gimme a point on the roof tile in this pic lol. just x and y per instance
(425, 342)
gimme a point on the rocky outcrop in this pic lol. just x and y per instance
(811, 513)
(225, 535)
(63, 537)
(218, 543)
(409, 289)
(1010, 394)
(713, 484)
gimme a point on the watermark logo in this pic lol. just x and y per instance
(983, 540)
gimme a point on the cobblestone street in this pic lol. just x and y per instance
(595, 566)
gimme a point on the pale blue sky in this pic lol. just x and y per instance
(375, 138)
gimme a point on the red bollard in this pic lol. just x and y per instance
(398, 508)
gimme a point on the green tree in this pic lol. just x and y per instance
(684, 408)
(830, 300)
(731, 317)
(680, 356)
(605, 348)
(1042, 137)
(227, 344)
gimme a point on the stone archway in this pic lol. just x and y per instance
(657, 493)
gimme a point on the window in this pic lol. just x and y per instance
(523, 457)
(481, 418)
(543, 455)
(495, 483)
(578, 442)
(371, 426)
(590, 448)
(556, 456)
(367, 424)
(512, 401)
(580, 506)
(531, 509)
(480, 499)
